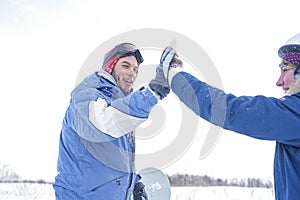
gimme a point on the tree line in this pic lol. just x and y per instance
(186, 180)
(7, 174)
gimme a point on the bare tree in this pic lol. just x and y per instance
(8, 175)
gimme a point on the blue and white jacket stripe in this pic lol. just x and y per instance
(93, 164)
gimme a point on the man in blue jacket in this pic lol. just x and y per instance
(260, 117)
(97, 144)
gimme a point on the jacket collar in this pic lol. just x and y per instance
(107, 76)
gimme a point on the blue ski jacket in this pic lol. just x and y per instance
(96, 155)
(259, 117)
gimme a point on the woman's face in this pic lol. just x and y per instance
(286, 79)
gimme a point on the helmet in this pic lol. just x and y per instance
(292, 45)
(120, 51)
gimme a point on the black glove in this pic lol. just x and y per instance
(160, 83)
(139, 192)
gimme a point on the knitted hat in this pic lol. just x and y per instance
(293, 58)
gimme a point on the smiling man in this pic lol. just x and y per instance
(125, 73)
(97, 143)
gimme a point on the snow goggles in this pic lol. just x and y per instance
(123, 50)
(128, 49)
(136, 53)
(285, 63)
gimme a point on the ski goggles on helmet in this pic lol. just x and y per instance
(123, 50)
(136, 53)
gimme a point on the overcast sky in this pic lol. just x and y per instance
(43, 47)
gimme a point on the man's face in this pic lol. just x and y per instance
(286, 79)
(125, 72)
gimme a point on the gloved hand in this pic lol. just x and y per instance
(160, 83)
(139, 192)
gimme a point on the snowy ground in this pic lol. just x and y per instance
(223, 193)
(26, 191)
(32, 191)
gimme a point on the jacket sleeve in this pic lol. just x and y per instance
(259, 116)
(124, 114)
(95, 117)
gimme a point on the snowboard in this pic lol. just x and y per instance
(156, 183)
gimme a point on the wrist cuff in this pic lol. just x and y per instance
(173, 72)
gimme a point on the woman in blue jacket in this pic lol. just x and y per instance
(260, 117)
(97, 144)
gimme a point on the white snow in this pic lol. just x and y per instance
(220, 192)
(34, 191)
(26, 191)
